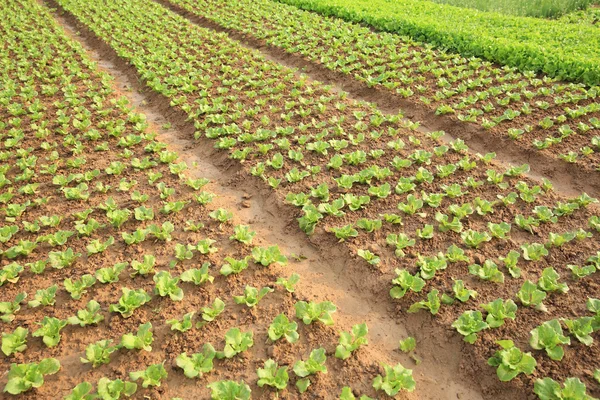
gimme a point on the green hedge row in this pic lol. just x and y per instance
(561, 50)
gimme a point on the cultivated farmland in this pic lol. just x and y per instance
(234, 200)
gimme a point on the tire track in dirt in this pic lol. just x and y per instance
(568, 179)
(327, 268)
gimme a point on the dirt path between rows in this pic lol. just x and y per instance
(446, 370)
(568, 179)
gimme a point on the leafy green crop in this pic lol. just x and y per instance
(511, 361)
(394, 380)
(469, 324)
(115, 389)
(229, 390)
(272, 375)
(236, 342)
(314, 364)
(252, 295)
(151, 376)
(49, 330)
(499, 310)
(141, 340)
(23, 377)
(268, 256)
(130, 301)
(283, 327)
(432, 303)
(197, 364)
(166, 285)
(99, 353)
(89, 316)
(405, 282)
(549, 337)
(549, 389)
(15, 342)
(311, 312)
(351, 341)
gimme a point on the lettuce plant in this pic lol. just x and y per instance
(549, 337)
(455, 254)
(110, 274)
(404, 282)
(229, 390)
(314, 364)
(221, 215)
(151, 376)
(79, 286)
(534, 251)
(252, 295)
(212, 312)
(243, 234)
(469, 324)
(530, 295)
(99, 353)
(130, 301)
(572, 389)
(272, 375)
(312, 311)
(197, 276)
(593, 306)
(511, 361)
(62, 259)
(166, 285)
(49, 330)
(368, 256)
(141, 340)
(236, 342)
(15, 342)
(432, 303)
(499, 310)
(461, 292)
(197, 364)
(579, 271)
(115, 389)
(474, 239)
(233, 266)
(394, 380)
(289, 283)
(510, 262)
(89, 316)
(347, 394)
(96, 246)
(548, 281)
(351, 341)
(407, 345)
(23, 377)
(44, 297)
(581, 328)
(429, 265)
(268, 256)
(283, 327)
(83, 391)
(400, 241)
(488, 271)
(182, 325)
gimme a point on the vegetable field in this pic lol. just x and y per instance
(193, 207)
